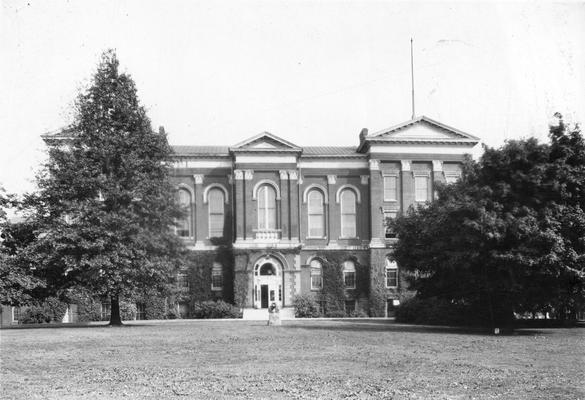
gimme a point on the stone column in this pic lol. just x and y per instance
(407, 179)
(376, 205)
(240, 209)
(284, 206)
(294, 205)
(250, 217)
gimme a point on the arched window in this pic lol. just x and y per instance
(183, 228)
(217, 276)
(391, 273)
(266, 207)
(316, 211)
(316, 275)
(349, 274)
(348, 214)
(216, 203)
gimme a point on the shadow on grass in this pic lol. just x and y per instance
(391, 326)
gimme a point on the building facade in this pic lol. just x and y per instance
(268, 220)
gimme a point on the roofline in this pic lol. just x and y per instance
(258, 136)
(419, 119)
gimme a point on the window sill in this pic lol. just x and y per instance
(216, 289)
(316, 237)
(350, 288)
(349, 238)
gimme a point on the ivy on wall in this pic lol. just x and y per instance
(334, 293)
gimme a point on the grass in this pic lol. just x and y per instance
(358, 359)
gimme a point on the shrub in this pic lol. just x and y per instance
(50, 310)
(212, 309)
(128, 311)
(155, 306)
(335, 314)
(172, 313)
(306, 307)
(358, 314)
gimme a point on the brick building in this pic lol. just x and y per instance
(265, 215)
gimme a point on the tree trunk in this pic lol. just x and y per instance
(115, 319)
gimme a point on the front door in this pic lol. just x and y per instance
(267, 284)
(263, 296)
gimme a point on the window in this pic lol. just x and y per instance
(421, 188)
(216, 213)
(452, 177)
(390, 188)
(266, 207)
(349, 274)
(106, 311)
(183, 228)
(349, 307)
(316, 275)
(16, 311)
(316, 211)
(391, 273)
(389, 232)
(217, 276)
(348, 214)
(182, 281)
(140, 311)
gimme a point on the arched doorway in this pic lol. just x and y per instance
(268, 282)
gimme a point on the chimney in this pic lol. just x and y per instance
(161, 130)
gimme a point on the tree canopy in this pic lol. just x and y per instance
(509, 236)
(105, 205)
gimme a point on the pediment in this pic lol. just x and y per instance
(265, 142)
(422, 129)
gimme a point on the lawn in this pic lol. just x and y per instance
(358, 359)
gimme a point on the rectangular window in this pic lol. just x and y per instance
(421, 187)
(182, 281)
(140, 311)
(349, 279)
(391, 278)
(390, 188)
(349, 307)
(452, 177)
(216, 281)
(106, 311)
(16, 311)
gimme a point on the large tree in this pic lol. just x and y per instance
(17, 280)
(509, 236)
(105, 206)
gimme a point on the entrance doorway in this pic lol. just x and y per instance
(267, 283)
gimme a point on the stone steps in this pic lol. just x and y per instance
(254, 314)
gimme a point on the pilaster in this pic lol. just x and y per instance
(240, 205)
(376, 204)
(200, 226)
(407, 184)
(294, 205)
(284, 206)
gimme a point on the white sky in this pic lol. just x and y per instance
(314, 73)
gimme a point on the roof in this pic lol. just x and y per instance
(330, 151)
(201, 150)
(309, 151)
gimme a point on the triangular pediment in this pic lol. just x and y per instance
(422, 129)
(265, 141)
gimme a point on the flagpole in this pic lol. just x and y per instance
(412, 76)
